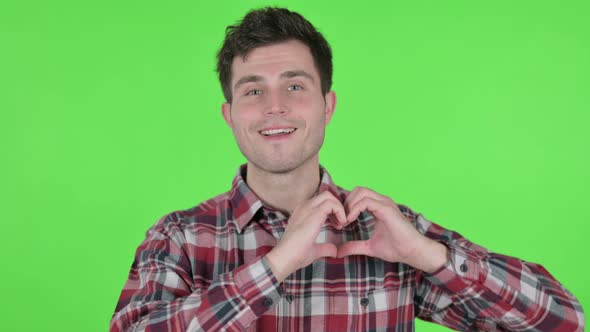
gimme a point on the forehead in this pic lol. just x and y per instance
(271, 60)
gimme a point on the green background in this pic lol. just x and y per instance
(474, 113)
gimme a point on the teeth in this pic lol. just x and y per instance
(277, 131)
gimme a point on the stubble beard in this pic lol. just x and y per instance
(283, 164)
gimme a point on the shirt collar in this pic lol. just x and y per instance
(245, 204)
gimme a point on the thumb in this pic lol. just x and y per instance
(325, 250)
(354, 248)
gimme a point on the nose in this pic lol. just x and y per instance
(276, 105)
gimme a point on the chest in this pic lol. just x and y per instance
(355, 293)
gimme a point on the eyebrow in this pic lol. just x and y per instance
(295, 73)
(286, 74)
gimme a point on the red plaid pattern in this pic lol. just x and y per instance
(204, 269)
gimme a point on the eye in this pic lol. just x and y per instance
(295, 87)
(253, 92)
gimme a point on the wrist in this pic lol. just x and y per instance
(432, 256)
(276, 263)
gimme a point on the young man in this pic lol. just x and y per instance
(287, 249)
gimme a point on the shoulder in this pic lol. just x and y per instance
(213, 213)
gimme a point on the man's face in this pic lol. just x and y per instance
(278, 113)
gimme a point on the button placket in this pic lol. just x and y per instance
(364, 301)
(267, 302)
(463, 267)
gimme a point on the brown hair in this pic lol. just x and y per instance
(268, 26)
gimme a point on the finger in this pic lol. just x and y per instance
(377, 208)
(329, 204)
(351, 198)
(358, 194)
(355, 208)
(333, 221)
(334, 207)
(354, 248)
(325, 250)
(321, 197)
(363, 192)
(330, 207)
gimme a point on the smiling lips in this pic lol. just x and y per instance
(273, 132)
(277, 132)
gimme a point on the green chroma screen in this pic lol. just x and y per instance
(473, 113)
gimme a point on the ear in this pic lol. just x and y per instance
(330, 105)
(226, 113)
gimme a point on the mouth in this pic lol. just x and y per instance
(277, 133)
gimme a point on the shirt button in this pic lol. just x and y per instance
(463, 267)
(290, 298)
(272, 215)
(364, 301)
(267, 302)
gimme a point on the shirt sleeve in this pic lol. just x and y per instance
(162, 293)
(485, 291)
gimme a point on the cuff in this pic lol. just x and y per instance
(462, 270)
(258, 286)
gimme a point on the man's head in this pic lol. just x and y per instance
(268, 26)
(278, 102)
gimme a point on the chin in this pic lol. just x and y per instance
(277, 166)
(285, 163)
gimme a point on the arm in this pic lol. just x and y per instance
(477, 289)
(459, 284)
(162, 294)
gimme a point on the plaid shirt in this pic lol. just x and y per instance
(204, 269)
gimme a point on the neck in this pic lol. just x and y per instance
(284, 191)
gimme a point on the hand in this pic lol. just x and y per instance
(394, 239)
(297, 247)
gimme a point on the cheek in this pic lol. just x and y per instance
(311, 106)
(250, 102)
(302, 101)
(315, 111)
(243, 124)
